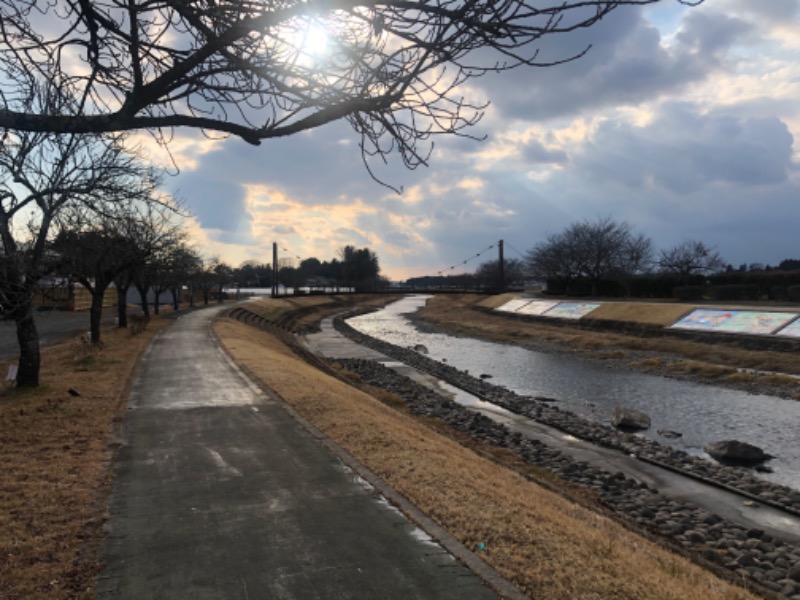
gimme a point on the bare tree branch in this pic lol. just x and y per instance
(247, 67)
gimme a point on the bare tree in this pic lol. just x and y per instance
(40, 175)
(158, 232)
(488, 273)
(554, 258)
(171, 268)
(690, 258)
(96, 244)
(593, 250)
(205, 276)
(637, 256)
(599, 247)
(182, 262)
(155, 225)
(265, 69)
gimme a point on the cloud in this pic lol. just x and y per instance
(684, 150)
(774, 11)
(628, 63)
(686, 132)
(707, 35)
(535, 152)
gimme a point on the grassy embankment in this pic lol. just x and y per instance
(775, 372)
(549, 546)
(55, 451)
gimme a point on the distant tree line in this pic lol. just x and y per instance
(354, 268)
(607, 258)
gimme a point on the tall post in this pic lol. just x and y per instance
(502, 266)
(274, 269)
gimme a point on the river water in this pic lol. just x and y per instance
(702, 413)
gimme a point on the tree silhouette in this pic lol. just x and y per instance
(41, 176)
(261, 69)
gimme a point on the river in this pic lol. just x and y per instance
(701, 413)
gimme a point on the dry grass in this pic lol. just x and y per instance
(456, 314)
(651, 313)
(701, 370)
(495, 301)
(55, 449)
(273, 309)
(549, 546)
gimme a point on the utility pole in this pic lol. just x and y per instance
(274, 269)
(501, 265)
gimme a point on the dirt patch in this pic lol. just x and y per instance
(550, 547)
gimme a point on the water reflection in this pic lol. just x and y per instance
(702, 413)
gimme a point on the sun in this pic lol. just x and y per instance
(314, 42)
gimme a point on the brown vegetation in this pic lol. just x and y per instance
(55, 449)
(549, 546)
(679, 357)
(650, 313)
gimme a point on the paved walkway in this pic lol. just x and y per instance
(219, 493)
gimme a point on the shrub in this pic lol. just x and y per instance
(688, 292)
(735, 292)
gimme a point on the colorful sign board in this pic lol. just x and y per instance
(571, 310)
(734, 321)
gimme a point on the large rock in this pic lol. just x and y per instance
(629, 419)
(736, 452)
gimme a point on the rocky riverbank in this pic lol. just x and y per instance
(752, 554)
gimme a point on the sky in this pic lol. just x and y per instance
(682, 122)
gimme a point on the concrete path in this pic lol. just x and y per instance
(220, 494)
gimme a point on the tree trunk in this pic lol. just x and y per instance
(156, 300)
(143, 300)
(28, 339)
(176, 299)
(96, 314)
(122, 306)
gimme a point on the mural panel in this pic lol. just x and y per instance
(791, 330)
(735, 321)
(537, 307)
(571, 310)
(514, 305)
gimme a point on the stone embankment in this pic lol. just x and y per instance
(752, 554)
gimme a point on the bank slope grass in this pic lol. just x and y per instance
(456, 314)
(548, 546)
(54, 451)
(649, 313)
